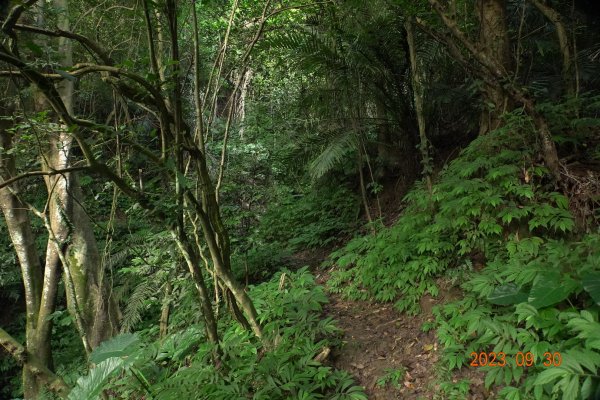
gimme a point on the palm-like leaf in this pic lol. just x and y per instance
(137, 301)
(333, 154)
(120, 346)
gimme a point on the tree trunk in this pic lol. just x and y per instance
(19, 229)
(28, 360)
(563, 42)
(240, 112)
(217, 242)
(92, 289)
(363, 189)
(417, 89)
(192, 260)
(494, 43)
(165, 312)
(89, 299)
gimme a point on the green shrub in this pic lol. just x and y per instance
(539, 297)
(260, 261)
(536, 285)
(493, 188)
(290, 306)
(292, 223)
(314, 219)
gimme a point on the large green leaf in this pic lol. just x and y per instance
(550, 288)
(587, 388)
(124, 345)
(89, 387)
(571, 388)
(550, 375)
(591, 284)
(507, 294)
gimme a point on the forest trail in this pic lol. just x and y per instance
(379, 342)
(387, 352)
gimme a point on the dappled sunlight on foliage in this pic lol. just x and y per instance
(176, 177)
(179, 365)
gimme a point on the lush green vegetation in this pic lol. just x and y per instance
(535, 288)
(179, 365)
(174, 175)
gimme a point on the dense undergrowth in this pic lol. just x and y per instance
(495, 225)
(179, 367)
(294, 222)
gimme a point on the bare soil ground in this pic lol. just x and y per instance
(377, 339)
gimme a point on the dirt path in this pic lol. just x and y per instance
(379, 341)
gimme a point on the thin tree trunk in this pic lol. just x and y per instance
(19, 229)
(218, 247)
(240, 113)
(563, 42)
(165, 312)
(418, 98)
(192, 262)
(183, 241)
(363, 190)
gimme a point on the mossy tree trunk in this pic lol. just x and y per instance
(88, 294)
(71, 245)
(19, 228)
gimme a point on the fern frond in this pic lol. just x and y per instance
(332, 154)
(134, 308)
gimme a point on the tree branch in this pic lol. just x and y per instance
(24, 358)
(563, 41)
(501, 80)
(15, 13)
(85, 41)
(42, 173)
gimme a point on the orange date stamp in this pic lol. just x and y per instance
(521, 359)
